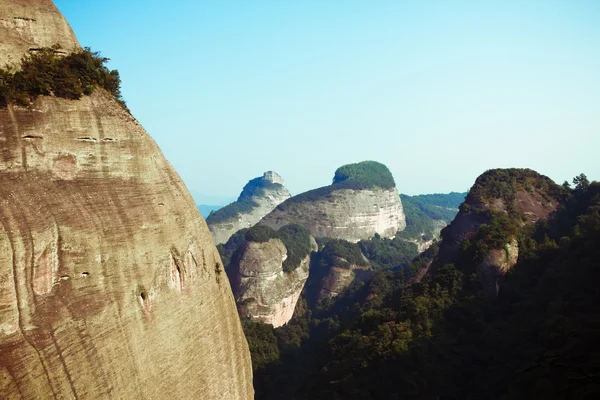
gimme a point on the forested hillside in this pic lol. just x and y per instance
(443, 337)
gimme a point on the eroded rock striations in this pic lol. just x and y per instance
(264, 290)
(259, 197)
(350, 209)
(110, 284)
(502, 201)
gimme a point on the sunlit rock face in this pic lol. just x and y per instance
(261, 195)
(110, 284)
(263, 290)
(348, 214)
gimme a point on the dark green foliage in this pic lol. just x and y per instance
(367, 174)
(388, 253)
(228, 250)
(46, 72)
(341, 253)
(422, 210)
(504, 184)
(296, 239)
(262, 343)
(443, 338)
(245, 203)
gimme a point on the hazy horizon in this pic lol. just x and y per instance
(437, 91)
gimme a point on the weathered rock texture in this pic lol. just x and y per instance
(263, 290)
(348, 214)
(30, 24)
(262, 203)
(110, 284)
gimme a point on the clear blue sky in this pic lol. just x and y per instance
(439, 91)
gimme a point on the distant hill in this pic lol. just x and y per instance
(205, 210)
(427, 214)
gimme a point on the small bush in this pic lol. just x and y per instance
(47, 72)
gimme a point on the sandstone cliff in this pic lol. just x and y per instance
(259, 197)
(110, 284)
(264, 291)
(502, 201)
(347, 209)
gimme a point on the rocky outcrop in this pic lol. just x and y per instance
(110, 284)
(29, 24)
(497, 263)
(523, 195)
(263, 290)
(259, 197)
(349, 214)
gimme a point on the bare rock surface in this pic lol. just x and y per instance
(497, 263)
(263, 290)
(110, 284)
(271, 193)
(348, 214)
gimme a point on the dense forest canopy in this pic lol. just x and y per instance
(367, 174)
(443, 338)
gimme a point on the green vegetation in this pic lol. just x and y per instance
(228, 250)
(296, 239)
(504, 184)
(388, 254)
(360, 176)
(444, 338)
(47, 72)
(245, 202)
(343, 254)
(421, 212)
(367, 174)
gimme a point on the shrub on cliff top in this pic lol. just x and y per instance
(368, 174)
(47, 72)
(295, 238)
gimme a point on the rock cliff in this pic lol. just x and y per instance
(348, 209)
(110, 284)
(264, 290)
(259, 197)
(502, 201)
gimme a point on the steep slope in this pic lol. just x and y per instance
(499, 204)
(361, 202)
(269, 271)
(259, 197)
(110, 284)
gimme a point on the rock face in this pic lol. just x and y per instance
(259, 197)
(30, 24)
(523, 195)
(349, 214)
(263, 290)
(110, 284)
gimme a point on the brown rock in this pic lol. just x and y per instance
(110, 284)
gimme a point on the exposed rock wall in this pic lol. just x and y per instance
(264, 203)
(30, 24)
(338, 279)
(263, 290)
(348, 214)
(110, 284)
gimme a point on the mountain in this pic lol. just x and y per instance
(445, 337)
(362, 201)
(269, 271)
(110, 283)
(259, 197)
